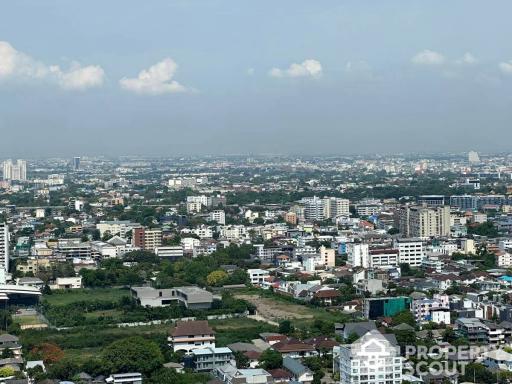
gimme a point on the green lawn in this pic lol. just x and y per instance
(26, 320)
(113, 313)
(58, 298)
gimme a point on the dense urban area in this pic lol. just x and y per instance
(263, 269)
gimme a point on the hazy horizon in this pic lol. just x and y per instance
(225, 77)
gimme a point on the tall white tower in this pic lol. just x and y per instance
(4, 247)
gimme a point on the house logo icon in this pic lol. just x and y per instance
(373, 350)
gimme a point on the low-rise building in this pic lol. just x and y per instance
(210, 358)
(191, 297)
(190, 335)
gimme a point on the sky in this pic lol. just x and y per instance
(178, 77)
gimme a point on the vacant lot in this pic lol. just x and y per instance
(59, 298)
(276, 310)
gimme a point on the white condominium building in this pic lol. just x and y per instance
(358, 255)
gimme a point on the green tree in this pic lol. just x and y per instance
(285, 327)
(270, 359)
(216, 278)
(134, 354)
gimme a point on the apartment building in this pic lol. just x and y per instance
(15, 171)
(423, 221)
(209, 358)
(372, 359)
(147, 238)
(116, 227)
(219, 216)
(358, 255)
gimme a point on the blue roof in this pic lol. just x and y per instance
(506, 278)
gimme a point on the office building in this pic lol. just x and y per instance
(431, 200)
(410, 251)
(464, 202)
(383, 258)
(76, 163)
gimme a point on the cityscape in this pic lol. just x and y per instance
(267, 192)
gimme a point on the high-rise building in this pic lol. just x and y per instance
(336, 207)
(76, 163)
(358, 255)
(317, 209)
(313, 208)
(473, 157)
(423, 221)
(4, 247)
(15, 171)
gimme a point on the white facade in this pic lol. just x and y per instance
(503, 259)
(172, 252)
(383, 258)
(358, 255)
(410, 251)
(371, 360)
(4, 247)
(68, 283)
(15, 171)
(257, 276)
(219, 216)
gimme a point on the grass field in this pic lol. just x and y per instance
(59, 298)
(26, 320)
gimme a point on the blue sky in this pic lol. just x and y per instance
(333, 77)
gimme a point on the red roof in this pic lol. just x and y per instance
(327, 294)
(292, 345)
(187, 328)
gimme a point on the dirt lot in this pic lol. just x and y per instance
(276, 310)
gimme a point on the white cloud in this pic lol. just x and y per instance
(78, 77)
(16, 64)
(467, 59)
(251, 71)
(309, 67)
(428, 57)
(506, 67)
(155, 80)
